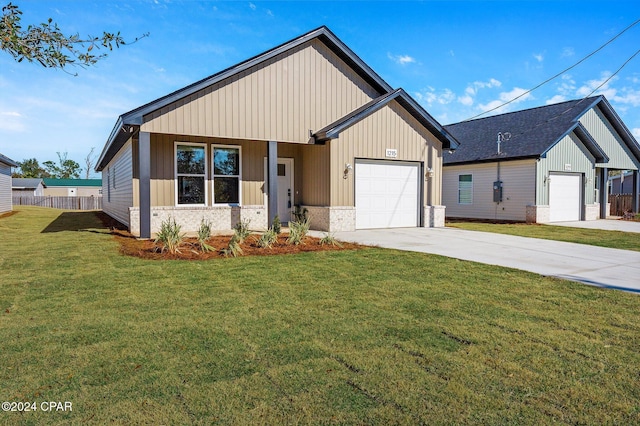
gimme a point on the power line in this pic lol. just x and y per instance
(576, 104)
(564, 71)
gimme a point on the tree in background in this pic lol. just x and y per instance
(65, 169)
(46, 44)
(30, 168)
(89, 161)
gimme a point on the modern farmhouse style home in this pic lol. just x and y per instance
(306, 124)
(546, 164)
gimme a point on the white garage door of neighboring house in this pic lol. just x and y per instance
(387, 194)
(564, 197)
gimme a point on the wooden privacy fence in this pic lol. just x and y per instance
(67, 203)
(620, 203)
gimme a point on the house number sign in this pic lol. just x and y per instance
(391, 153)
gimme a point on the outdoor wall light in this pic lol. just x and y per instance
(347, 168)
(429, 174)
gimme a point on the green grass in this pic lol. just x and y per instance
(353, 337)
(594, 237)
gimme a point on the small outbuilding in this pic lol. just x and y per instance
(73, 187)
(545, 164)
(305, 125)
(27, 187)
(6, 164)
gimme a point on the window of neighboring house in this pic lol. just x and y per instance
(191, 173)
(465, 189)
(226, 174)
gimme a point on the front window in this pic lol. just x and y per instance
(191, 173)
(226, 175)
(465, 189)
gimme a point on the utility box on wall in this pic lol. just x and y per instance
(497, 191)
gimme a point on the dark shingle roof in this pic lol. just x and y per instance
(533, 132)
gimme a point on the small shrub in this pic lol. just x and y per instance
(170, 236)
(204, 232)
(277, 225)
(233, 249)
(242, 230)
(329, 239)
(297, 231)
(268, 239)
(300, 214)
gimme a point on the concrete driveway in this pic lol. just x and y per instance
(603, 267)
(606, 224)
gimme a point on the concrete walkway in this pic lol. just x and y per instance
(603, 267)
(606, 224)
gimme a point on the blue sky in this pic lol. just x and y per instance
(457, 58)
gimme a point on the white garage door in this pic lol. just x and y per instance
(387, 194)
(564, 197)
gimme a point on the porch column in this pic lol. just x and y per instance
(272, 181)
(144, 160)
(635, 186)
(604, 192)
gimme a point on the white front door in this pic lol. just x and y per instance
(285, 188)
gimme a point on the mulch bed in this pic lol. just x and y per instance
(189, 250)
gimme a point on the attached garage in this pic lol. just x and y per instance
(387, 194)
(565, 197)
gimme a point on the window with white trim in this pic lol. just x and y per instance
(226, 174)
(191, 173)
(465, 189)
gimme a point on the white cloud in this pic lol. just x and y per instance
(401, 59)
(598, 86)
(252, 6)
(11, 121)
(539, 57)
(472, 90)
(466, 100)
(567, 52)
(636, 132)
(627, 96)
(269, 12)
(555, 99)
(431, 96)
(517, 92)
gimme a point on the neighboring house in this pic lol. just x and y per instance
(6, 164)
(551, 164)
(27, 187)
(73, 187)
(305, 124)
(622, 183)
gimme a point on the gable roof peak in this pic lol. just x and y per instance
(135, 117)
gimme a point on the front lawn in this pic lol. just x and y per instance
(594, 237)
(371, 336)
